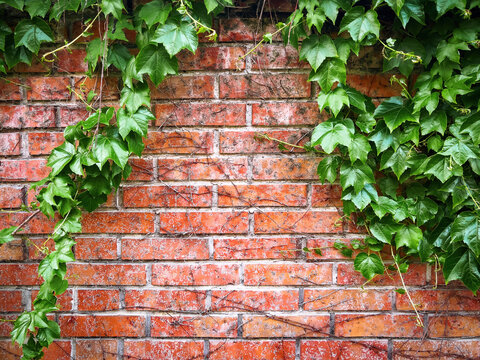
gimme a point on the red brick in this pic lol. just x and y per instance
(39, 224)
(288, 168)
(326, 195)
(37, 66)
(12, 116)
(11, 301)
(165, 300)
(159, 349)
(96, 349)
(347, 300)
(239, 142)
(212, 58)
(36, 248)
(23, 170)
(262, 195)
(10, 197)
(111, 274)
(257, 248)
(71, 115)
(377, 325)
(298, 222)
(198, 274)
(204, 222)
(118, 222)
(58, 350)
(12, 251)
(416, 275)
(277, 57)
(230, 300)
(65, 301)
(286, 326)
(43, 143)
(179, 142)
(71, 61)
(142, 170)
(252, 350)
(39, 117)
(48, 88)
(436, 349)
(19, 274)
(185, 87)
(439, 300)
(197, 114)
(102, 326)
(100, 248)
(236, 30)
(454, 326)
(191, 327)
(202, 169)
(6, 327)
(167, 196)
(286, 114)
(258, 86)
(326, 246)
(98, 300)
(333, 350)
(164, 249)
(287, 274)
(109, 88)
(10, 89)
(368, 59)
(374, 85)
(10, 144)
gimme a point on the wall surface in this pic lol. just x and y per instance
(199, 255)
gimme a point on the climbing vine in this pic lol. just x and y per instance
(409, 168)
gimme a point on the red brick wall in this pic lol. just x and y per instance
(199, 255)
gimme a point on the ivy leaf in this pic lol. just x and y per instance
(456, 85)
(359, 148)
(363, 198)
(95, 50)
(333, 99)
(462, 265)
(436, 121)
(155, 61)
(356, 175)
(6, 234)
(119, 56)
(382, 138)
(37, 7)
(427, 100)
(60, 6)
(444, 5)
(211, 5)
(4, 31)
(113, 7)
(449, 50)
(136, 97)
(360, 23)
(136, 122)
(330, 8)
(365, 122)
(408, 236)
(412, 9)
(471, 126)
(328, 73)
(328, 168)
(176, 35)
(32, 33)
(440, 167)
(426, 209)
(396, 5)
(60, 157)
(384, 205)
(130, 73)
(155, 12)
(21, 327)
(111, 147)
(384, 230)
(459, 150)
(17, 4)
(135, 144)
(328, 135)
(394, 112)
(396, 160)
(316, 49)
(368, 265)
(356, 98)
(466, 229)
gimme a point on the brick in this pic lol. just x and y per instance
(12, 116)
(288, 222)
(288, 168)
(271, 86)
(35, 248)
(12, 251)
(202, 169)
(96, 349)
(10, 89)
(374, 85)
(165, 249)
(165, 300)
(19, 274)
(252, 350)
(204, 222)
(98, 300)
(439, 300)
(286, 326)
(332, 350)
(286, 114)
(37, 66)
(39, 224)
(347, 300)
(11, 197)
(10, 144)
(277, 57)
(287, 274)
(179, 142)
(199, 114)
(436, 349)
(58, 350)
(92, 249)
(111, 274)
(262, 195)
(212, 58)
(326, 246)
(71, 61)
(6, 327)
(23, 170)
(142, 170)
(377, 325)
(443, 326)
(326, 195)
(11, 301)
(159, 349)
(257, 248)
(102, 326)
(109, 88)
(184, 87)
(369, 58)
(167, 196)
(40, 117)
(65, 301)
(416, 275)
(43, 143)
(239, 142)
(192, 327)
(239, 30)
(248, 301)
(197, 274)
(71, 115)
(118, 222)
(48, 88)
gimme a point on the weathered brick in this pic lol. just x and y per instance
(23, 170)
(212, 58)
(286, 326)
(19, 274)
(165, 300)
(39, 224)
(58, 350)
(10, 144)
(142, 170)
(286, 114)
(326, 195)
(109, 87)
(98, 300)
(204, 222)
(118, 222)
(11, 301)
(12, 251)
(10, 89)
(65, 300)
(252, 350)
(192, 327)
(202, 169)
(347, 299)
(271, 86)
(48, 88)
(164, 249)
(248, 301)
(186, 274)
(444, 326)
(111, 274)
(377, 325)
(287, 274)
(167, 196)
(277, 57)
(12, 116)
(239, 30)
(185, 87)
(439, 300)
(290, 222)
(328, 251)
(257, 248)
(338, 349)
(102, 325)
(435, 349)
(416, 275)
(179, 142)
(96, 248)
(43, 143)
(288, 168)
(374, 85)
(160, 349)
(39, 117)
(71, 115)
(10, 197)
(262, 195)
(71, 61)
(96, 349)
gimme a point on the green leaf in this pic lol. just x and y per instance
(60, 6)
(113, 7)
(37, 7)
(111, 147)
(328, 168)
(333, 99)
(136, 122)
(32, 33)
(384, 205)
(60, 157)
(359, 148)
(356, 98)
(412, 9)
(365, 122)
(360, 23)
(363, 198)
(394, 112)
(437, 121)
(396, 5)
(155, 61)
(368, 265)
(130, 73)
(330, 8)
(135, 97)
(135, 144)
(427, 100)
(155, 12)
(119, 56)
(21, 326)
(462, 265)
(444, 5)
(396, 160)
(97, 185)
(328, 135)
(466, 229)
(316, 49)
(356, 175)
(459, 150)
(95, 49)
(409, 236)
(471, 126)
(448, 50)
(440, 167)
(17, 4)
(384, 230)
(328, 73)
(456, 85)
(315, 18)
(175, 36)
(382, 138)
(425, 209)
(211, 5)
(6, 234)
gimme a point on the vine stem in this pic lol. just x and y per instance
(213, 33)
(27, 220)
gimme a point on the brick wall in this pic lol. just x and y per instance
(199, 255)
